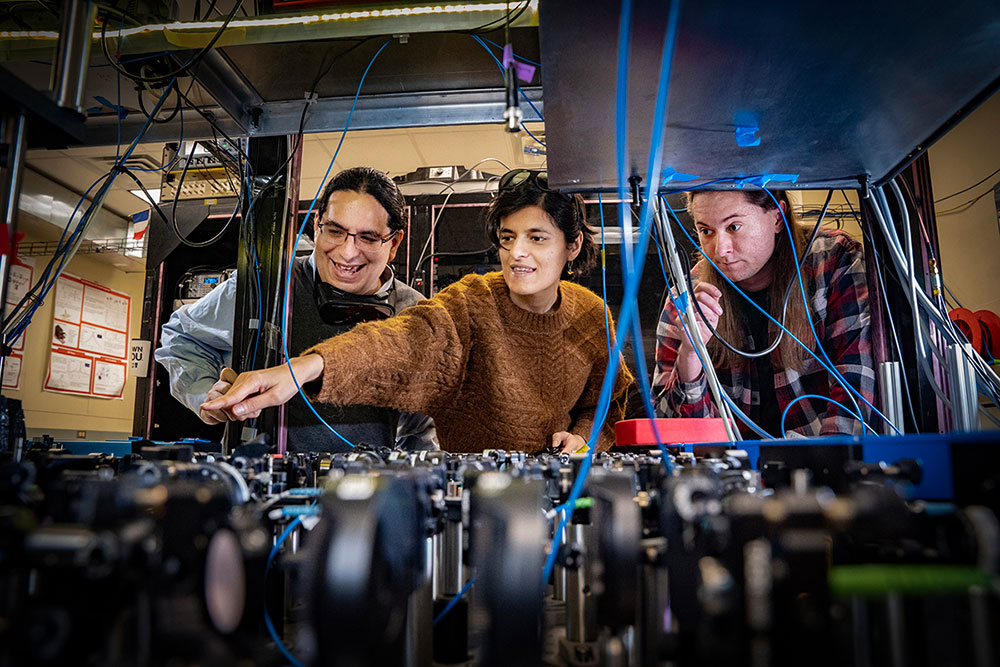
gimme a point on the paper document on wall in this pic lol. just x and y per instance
(90, 339)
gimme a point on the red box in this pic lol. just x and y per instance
(677, 431)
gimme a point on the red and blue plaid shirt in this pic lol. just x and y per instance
(834, 274)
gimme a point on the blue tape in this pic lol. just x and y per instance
(671, 174)
(747, 128)
(762, 180)
(108, 104)
(682, 301)
(300, 510)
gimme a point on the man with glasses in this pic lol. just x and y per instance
(358, 229)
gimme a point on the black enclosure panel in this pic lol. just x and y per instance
(842, 93)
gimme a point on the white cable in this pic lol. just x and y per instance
(988, 383)
(434, 222)
(677, 271)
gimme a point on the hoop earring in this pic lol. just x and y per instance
(569, 268)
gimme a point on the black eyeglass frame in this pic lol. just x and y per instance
(357, 235)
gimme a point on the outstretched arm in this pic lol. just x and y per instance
(410, 362)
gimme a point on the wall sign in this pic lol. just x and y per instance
(89, 345)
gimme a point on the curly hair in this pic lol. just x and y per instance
(567, 212)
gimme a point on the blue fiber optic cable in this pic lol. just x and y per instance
(632, 281)
(291, 264)
(768, 315)
(521, 58)
(108, 180)
(819, 344)
(729, 401)
(500, 65)
(454, 601)
(267, 616)
(823, 398)
(526, 98)
(642, 371)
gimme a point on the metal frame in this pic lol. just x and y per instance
(375, 112)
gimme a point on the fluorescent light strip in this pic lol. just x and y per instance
(296, 20)
(190, 26)
(28, 34)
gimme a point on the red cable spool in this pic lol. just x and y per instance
(968, 324)
(990, 327)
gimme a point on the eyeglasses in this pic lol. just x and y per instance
(335, 236)
(516, 177)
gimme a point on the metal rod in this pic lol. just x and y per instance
(73, 55)
(581, 607)
(963, 393)
(419, 622)
(891, 390)
(453, 576)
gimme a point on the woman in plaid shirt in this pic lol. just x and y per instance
(744, 234)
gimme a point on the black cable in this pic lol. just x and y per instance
(135, 179)
(892, 324)
(183, 69)
(507, 18)
(173, 210)
(209, 9)
(211, 121)
(955, 194)
(280, 171)
(784, 308)
(142, 105)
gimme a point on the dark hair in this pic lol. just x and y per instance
(567, 211)
(733, 323)
(368, 181)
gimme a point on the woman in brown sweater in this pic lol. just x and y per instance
(511, 360)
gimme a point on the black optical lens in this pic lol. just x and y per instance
(542, 179)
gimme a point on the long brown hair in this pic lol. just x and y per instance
(733, 323)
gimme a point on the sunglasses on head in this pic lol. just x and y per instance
(516, 177)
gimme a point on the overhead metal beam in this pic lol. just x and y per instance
(376, 112)
(227, 85)
(379, 112)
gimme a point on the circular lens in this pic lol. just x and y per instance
(225, 581)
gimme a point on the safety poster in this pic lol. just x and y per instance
(90, 336)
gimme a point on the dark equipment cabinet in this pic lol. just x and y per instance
(158, 415)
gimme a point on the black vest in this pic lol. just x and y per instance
(358, 423)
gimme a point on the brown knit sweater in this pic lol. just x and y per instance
(491, 374)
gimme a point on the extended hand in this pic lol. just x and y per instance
(256, 390)
(567, 443)
(226, 379)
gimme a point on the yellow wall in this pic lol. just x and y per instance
(970, 240)
(63, 415)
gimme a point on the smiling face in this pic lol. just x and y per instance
(347, 265)
(533, 253)
(737, 235)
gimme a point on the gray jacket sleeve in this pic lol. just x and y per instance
(197, 343)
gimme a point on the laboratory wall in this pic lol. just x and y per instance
(66, 416)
